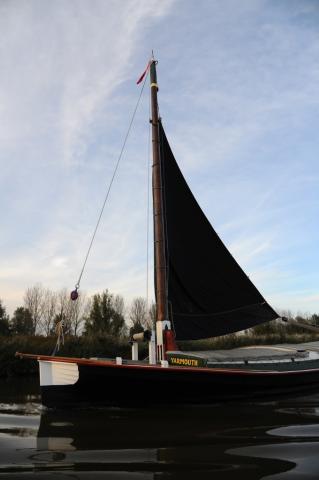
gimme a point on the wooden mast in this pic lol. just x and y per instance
(159, 230)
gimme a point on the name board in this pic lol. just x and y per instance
(186, 360)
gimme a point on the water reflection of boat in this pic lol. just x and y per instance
(177, 443)
(154, 427)
(201, 292)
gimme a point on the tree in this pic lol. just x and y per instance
(286, 314)
(79, 311)
(64, 310)
(103, 317)
(48, 310)
(118, 326)
(302, 318)
(152, 315)
(33, 301)
(49, 307)
(139, 315)
(4, 321)
(21, 322)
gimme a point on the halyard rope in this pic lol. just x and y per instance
(110, 184)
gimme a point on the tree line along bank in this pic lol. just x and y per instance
(103, 324)
(103, 313)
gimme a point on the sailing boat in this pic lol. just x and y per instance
(200, 292)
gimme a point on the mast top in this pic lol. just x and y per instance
(153, 74)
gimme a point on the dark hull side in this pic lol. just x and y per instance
(140, 386)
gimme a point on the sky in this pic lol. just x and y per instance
(238, 96)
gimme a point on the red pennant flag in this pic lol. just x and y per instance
(143, 74)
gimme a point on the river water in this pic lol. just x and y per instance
(274, 440)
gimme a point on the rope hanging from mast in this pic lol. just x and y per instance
(74, 294)
(60, 339)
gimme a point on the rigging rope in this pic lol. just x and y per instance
(60, 339)
(74, 293)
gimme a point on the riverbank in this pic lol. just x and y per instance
(103, 346)
(235, 341)
(109, 346)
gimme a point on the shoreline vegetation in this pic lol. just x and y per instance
(84, 346)
(110, 347)
(102, 326)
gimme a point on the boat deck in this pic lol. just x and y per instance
(276, 357)
(283, 357)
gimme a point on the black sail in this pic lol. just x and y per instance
(208, 292)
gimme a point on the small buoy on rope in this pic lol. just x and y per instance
(74, 294)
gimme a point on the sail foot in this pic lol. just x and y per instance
(195, 326)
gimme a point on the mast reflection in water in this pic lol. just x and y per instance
(275, 440)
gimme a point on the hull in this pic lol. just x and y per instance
(109, 384)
